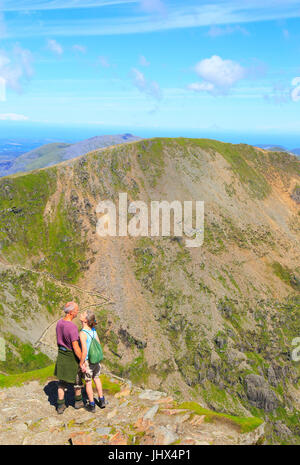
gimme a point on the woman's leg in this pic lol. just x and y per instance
(98, 385)
(89, 390)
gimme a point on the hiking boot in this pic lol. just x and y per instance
(61, 408)
(78, 404)
(90, 408)
(101, 402)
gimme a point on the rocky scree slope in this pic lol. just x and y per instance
(213, 324)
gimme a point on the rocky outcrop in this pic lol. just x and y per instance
(259, 393)
(282, 430)
(296, 195)
(132, 416)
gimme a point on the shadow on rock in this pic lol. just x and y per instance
(51, 391)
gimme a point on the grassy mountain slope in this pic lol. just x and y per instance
(50, 154)
(213, 324)
(45, 155)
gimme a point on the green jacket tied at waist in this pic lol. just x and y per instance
(66, 367)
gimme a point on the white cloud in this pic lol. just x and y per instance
(201, 86)
(25, 59)
(181, 14)
(279, 94)
(12, 117)
(143, 61)
(295, 81)
(147, 87)
(55, 47)
(218, 75)
(152, 6)
(79, 48)
(16, 67)
(286, 33)
(2, 25)
(216, 31)
(104, 62)
(36, 5)
(295, 93)
(257, 69)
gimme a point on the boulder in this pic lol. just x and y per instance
(150, 414)
(165, 436)
(104, 431)
(152, 395)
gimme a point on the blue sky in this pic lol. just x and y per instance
(151, 65)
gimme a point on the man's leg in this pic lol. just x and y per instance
(61, 406)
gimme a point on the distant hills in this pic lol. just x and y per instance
(50, 154)
(279, 148)
(10, 149)
(296, 151)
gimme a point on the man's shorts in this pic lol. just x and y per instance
(92, 371)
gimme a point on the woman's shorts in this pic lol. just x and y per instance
(92, 371)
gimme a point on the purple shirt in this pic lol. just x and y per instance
(66, 333)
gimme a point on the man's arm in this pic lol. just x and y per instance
(76, 349)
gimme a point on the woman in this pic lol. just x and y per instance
(90, 371)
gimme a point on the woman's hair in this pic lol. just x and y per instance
(91, 319)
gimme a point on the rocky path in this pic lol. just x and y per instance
(132, 416)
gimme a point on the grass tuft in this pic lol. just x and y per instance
(246, 424)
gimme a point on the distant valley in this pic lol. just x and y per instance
(11, 149)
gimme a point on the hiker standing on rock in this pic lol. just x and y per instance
(67, 367)
(91, 357)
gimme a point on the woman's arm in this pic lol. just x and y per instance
(83, 337)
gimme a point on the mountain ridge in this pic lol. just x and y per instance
(55, 152)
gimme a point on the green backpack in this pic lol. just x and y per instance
(95, 354)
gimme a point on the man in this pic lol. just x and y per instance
(69, 353)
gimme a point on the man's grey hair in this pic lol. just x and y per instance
(69, 307)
